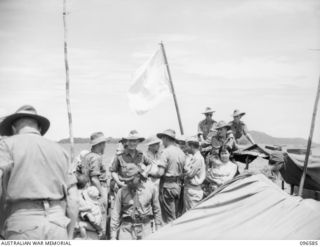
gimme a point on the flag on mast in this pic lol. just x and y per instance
(150, 84)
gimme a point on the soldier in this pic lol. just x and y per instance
(129, 155)
(195, 174)
(136, 205)
(153, 153)
(39, 192)
(206, 125)
(95, 171)
(170, 170)
(239, 128)
(224, 136)
(79, 160)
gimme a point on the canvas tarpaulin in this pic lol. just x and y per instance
(293, 167)
(249, 207)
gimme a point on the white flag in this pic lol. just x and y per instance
(150, 84)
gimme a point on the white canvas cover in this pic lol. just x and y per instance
(249, 207)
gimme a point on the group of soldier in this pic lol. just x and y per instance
(43, 197)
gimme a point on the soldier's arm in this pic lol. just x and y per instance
(247, 135)
(96, 182)
(250, 138)
(192, 169)
(156, 208)
(163, 163)
(95, 172)
(114, 169)
(116, 178)
(200, 133)
(72, 209)
(6, 164)
(115, 216)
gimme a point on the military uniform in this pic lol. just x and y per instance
(133, 212)
(37, 179)
(154, 157)
(93, 166)
(119, 164)
(238, 129)
(195, 174)
(205, 126)
(172, 160)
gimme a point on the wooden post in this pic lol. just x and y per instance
(305, 166)
(172, 87)
(67, 79)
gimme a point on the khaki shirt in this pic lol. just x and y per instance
(238, 129)
(153, 156)
(172, 160)
(93, 167)
(218, 141)
(38, 168)
(205, 126)
(195, 170)
(147, 205)
(119, 164)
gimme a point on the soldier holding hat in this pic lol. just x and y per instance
(171, 165)
(239, 128)
(206, 125)
(136, 205)
(39, 192)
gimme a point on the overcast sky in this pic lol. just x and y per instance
(258, 56)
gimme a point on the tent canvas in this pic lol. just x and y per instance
(293, 167)
(248, 207)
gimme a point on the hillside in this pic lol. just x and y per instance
(261, 137)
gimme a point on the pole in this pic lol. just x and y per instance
(67, 79)
(172, 87)
(305, 166)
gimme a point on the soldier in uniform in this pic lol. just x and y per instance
(239, 128)
(136, 205)
(95, 171)
(153, 153)
(129, 155)
(195, 174)
(224, 136)
(206, 125)
(170, 170)
(39, 194)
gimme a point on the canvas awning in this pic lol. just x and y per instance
(293, 167)
(249, 207)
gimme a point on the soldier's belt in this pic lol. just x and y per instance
(166, 179)
(35, 204)
(139, 220)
